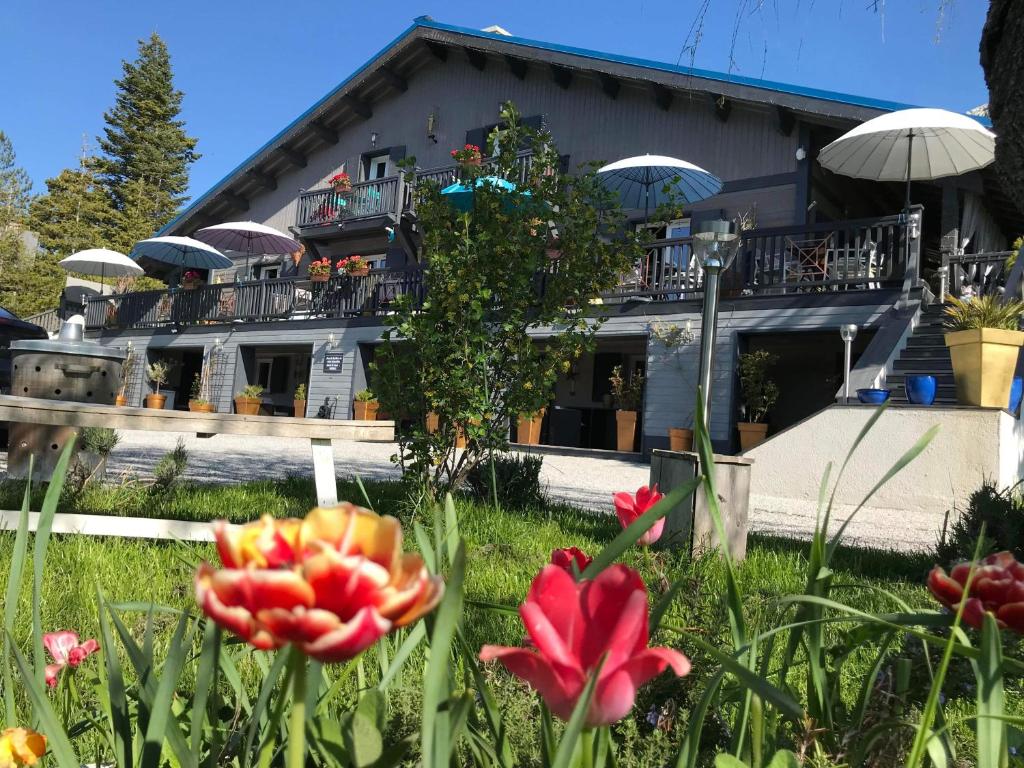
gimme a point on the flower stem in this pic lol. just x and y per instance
(297, 721)
(587, 737)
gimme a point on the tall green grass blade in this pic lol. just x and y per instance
(412, 640)
(15, 571)
(430, 557)
(206, 681)
(451, 527)
(56, 738)
(119, 712)
(362, 490)
(988, 671)
(257, 718)
(630, 535)
(435, 726)
(574, 728)
(42, 540)
(868, 426)
(161, 724)
(492, 712)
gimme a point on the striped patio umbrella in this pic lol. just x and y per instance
(647, 181)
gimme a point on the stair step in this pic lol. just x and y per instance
(926, 340)
(933, 367)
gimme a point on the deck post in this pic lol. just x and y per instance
(323, 472)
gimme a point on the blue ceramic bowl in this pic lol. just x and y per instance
(1016, 390)
(920, 389)
(873, 396)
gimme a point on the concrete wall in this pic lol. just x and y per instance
(972, 445)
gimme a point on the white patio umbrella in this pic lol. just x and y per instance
(102, 262)
(641, 181)
(249, 236)
(911, 145)
(181, 252)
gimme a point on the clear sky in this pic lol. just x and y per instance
(249, 68)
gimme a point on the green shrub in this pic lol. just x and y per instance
(100, 440)
(365, 396)
(983, 312)
(517, 477)
(253, 390)
(171, 467)
(1001, 512)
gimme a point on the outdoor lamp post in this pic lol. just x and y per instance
(848, 332)
(715, 240)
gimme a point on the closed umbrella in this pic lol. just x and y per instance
(651, 180)
(102, 262)
(249, 236)
(181, 252)
(911, 145)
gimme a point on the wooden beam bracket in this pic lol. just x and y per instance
(326, 134)
(723, 107)
(517, 67)
(662, 96)
(292, 156)
(440, 51)
(609, 85)
(265, 180)
(476, 58)
(784, 120)
(358, 106)
(394, 79)
(236, 200)
(562, 76)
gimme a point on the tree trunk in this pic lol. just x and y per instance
(1002, 58)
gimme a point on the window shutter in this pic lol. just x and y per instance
(397, 153)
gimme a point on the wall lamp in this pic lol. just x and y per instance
(332, 342)
(373, 139)
(432, 122)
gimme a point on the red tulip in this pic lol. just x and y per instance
(573, 626)
(333, 584)
(629, 508)
(997, 587)
(565, 557)
(66, 652)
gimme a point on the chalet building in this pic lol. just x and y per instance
(818, 251)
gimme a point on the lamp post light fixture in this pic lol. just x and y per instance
(716, 240)
(847, 332)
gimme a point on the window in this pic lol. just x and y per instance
(377, 167)
(269, 273)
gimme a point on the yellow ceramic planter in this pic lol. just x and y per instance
(984, 361)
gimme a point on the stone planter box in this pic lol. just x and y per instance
(689, 525)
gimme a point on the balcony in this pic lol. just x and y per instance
(382, 198)
(867, 254)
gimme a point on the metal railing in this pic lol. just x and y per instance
(49, 320)
(366, 199)
(256, 301)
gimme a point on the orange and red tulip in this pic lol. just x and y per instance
(20, 746)
(997, 588)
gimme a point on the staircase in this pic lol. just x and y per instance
(925, 352)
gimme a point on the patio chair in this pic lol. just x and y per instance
(807, 261)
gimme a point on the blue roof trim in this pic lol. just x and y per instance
(427, 23)
(266, 145)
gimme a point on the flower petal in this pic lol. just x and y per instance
(946, 590)
(603, 602)
(559, 691)
(59, 644)
(350, 639)
(557, 597)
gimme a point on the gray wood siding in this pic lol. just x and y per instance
(586, 124)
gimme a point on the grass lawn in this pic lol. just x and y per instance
(506, 548)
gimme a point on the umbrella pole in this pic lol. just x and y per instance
(103, 285)
(906, 203)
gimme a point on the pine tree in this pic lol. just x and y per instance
(15, 192)
(145, 145)
(75, 213)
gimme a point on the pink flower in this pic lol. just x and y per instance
(66, 651)
(565, 557)
(629, 508)
(572, 627)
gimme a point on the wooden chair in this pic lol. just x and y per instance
(807, 260)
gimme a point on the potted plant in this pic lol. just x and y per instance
(759, 394)
(528, 428)
(127, 367)
(984, 341)
(340, 182)
(354, 266)
(157, 372)
(299, 400)
(249, 400)
(190, 280)
(365, 406)
(197, 402)
(468, 155)
(320, 270)
(628, 394)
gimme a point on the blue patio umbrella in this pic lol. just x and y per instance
(647, 181)
(460, 195)
(181, 252)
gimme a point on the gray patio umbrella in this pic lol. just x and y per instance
(181, 252)
(102, 262)
(253, 238)
(651, 180)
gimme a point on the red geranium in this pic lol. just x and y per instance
(573, 627)
(997, 587)
(468, 154)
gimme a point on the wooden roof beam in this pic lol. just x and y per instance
(292, 156)
(324, 133)
(235, 199)
(784, 120)
(265, 180)
(439, 51)
(477, 58)
(394, 79)
(723, 107)
(358, 106)
(517, 67)
(662, 96)
(609, 85)
(562, 76)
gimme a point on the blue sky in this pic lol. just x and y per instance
(248, 68)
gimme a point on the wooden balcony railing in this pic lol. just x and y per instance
(381, 197)
(977, 274)
(257, 301)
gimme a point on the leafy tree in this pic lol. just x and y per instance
(146, 151)
(1002, 58)
(521, 260)
(31, 283)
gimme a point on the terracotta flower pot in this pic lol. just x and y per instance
(365, 410)
(120, 401)
(361, 272)
(528, 428)
(751, 434)
(340, 189)
(320, 278)
(625, 430)
(984, 360)
(156, 401)
(190, 285)
(248, 406)
(200, 407)
(680, 439)
(300, 408)
(433, 423)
